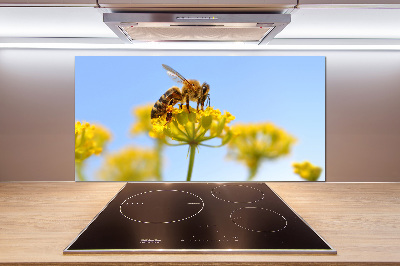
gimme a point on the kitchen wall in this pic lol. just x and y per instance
(37, 111)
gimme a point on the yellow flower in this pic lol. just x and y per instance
(252, 143)
(194, 128)
(79, 127)
(307, 171)
(143, 122)
(143, 125)
(130, 164)
(89, 140)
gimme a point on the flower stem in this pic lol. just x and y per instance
(159, 148)
(191, 161)
(252, 173)
(253, 170)
(79, 171)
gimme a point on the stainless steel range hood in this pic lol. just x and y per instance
(191, 27)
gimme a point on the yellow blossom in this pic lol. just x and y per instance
(252, 143)
(89, 140)
(194, 128)
(307, 171)
(143, 123)
(130, 164)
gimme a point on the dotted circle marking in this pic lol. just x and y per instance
(159, 190)
(262, 193)
(259, 231)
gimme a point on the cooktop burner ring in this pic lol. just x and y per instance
(255, 197)
(130, 202)
(238, 220)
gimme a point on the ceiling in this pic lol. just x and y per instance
(17, 23)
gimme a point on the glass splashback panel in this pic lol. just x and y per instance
(266, 120)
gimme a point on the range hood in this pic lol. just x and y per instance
(194, 27)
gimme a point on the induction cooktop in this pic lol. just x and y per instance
(198, 217)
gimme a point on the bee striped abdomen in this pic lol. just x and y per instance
(170, 97)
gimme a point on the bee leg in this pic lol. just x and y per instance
(169, 118)
(187, 104)
(180, 106)
(198, 102)
(169, 112)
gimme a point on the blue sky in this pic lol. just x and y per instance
(288, 91)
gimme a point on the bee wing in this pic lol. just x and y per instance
(175, 75)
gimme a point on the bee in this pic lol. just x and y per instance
(191, 91)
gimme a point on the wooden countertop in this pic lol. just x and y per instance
(360, 220)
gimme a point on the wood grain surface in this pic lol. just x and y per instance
(360, 220)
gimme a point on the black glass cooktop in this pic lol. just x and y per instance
(198, 217)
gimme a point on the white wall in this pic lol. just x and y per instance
(37, 111)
